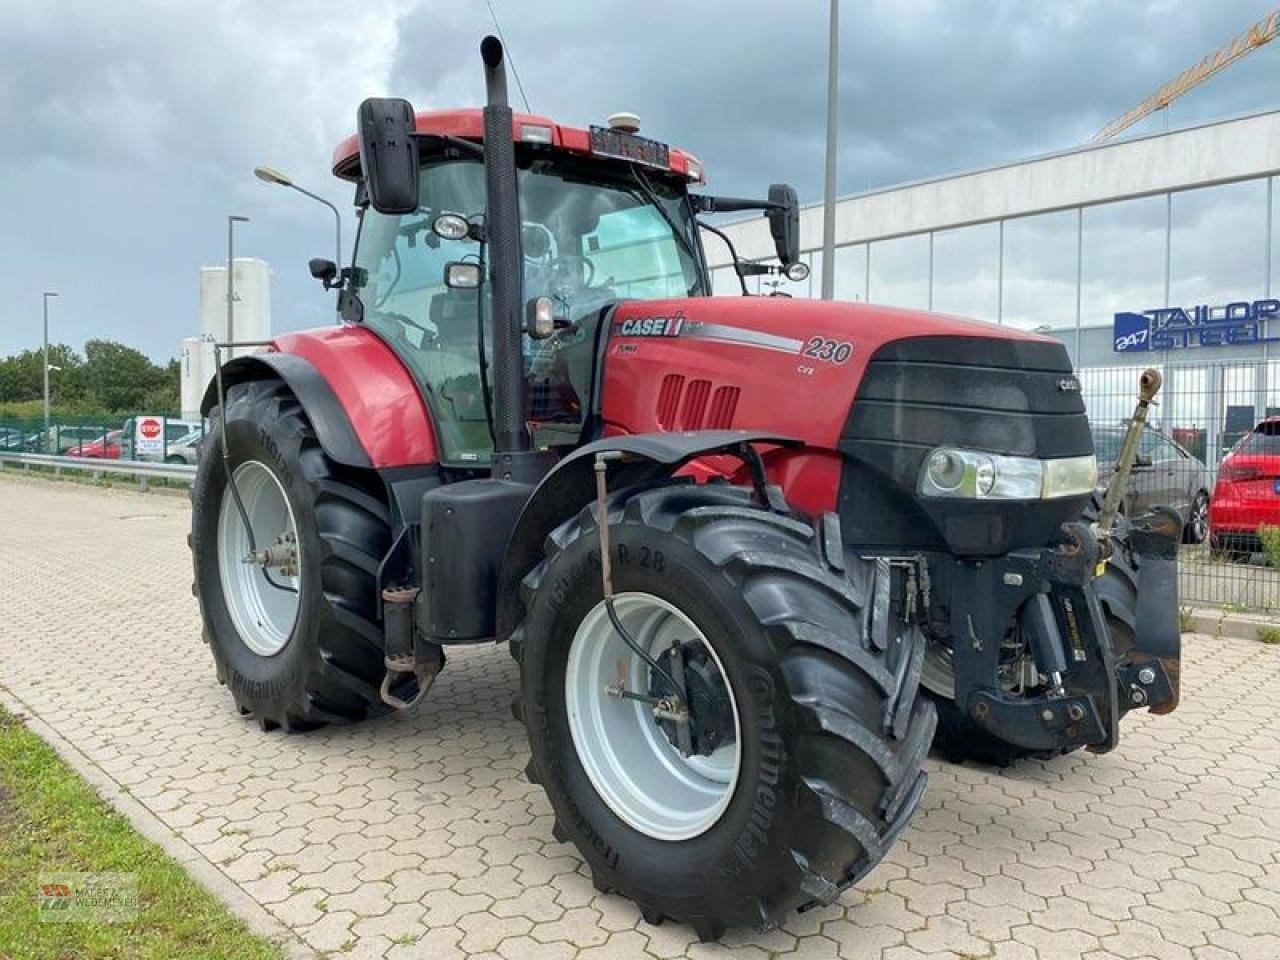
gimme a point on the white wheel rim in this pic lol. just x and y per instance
(629, 759)
(263, 615)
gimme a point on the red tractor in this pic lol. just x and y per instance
(747, 551)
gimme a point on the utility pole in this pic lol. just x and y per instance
(46, 297)
(232, 220)
(829, 187)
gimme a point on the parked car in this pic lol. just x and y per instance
(186, 449)
(13, 440)
(1247, 494)
(1164, 475)
(65, 438)
(106, 447)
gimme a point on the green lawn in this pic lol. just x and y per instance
(50, 821)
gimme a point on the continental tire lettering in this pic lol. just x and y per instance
(755, 837)
(542, 723)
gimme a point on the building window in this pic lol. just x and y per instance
(1218, 244)
(1040, 271)
(899, 273)
(966, 272)
(851, 273)
(1123, 268)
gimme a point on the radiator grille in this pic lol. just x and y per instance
(669, 400)
(695, 404)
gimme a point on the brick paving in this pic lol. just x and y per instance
(418, 836)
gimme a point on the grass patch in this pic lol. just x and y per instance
(1270, 537)
(1186, 620)
(51, 820)
(1269, 634)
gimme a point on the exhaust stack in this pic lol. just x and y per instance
(502, 224)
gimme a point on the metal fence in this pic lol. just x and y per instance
(1202, 412)
(106, 437)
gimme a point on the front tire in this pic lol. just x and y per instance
(822, 680)
(304, 658)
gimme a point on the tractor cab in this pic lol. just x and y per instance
(604, 216)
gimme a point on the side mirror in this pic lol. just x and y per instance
(784, 222)
(323, 270)
(388, 154)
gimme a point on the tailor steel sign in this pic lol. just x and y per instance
(1236, 324)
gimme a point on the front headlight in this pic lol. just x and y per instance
(976, 475)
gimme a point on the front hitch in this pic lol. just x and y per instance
(1053, 597)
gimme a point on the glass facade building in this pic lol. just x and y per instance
(1067, 270)
(1079, 246)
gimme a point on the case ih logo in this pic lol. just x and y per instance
(1178, 328)
(652, 326)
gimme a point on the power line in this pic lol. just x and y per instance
(512, 60)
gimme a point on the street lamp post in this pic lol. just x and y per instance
(829, 187)
(271, 175)
(47, 294)
(232, 220)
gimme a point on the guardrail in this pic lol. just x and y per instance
(142, 469)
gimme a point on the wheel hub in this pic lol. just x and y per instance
(627, 723)
(706, 699)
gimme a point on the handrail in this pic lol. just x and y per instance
(136, 468)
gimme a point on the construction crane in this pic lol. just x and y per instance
(1262, 32)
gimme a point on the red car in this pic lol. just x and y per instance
(106, 447)
(1247, 494)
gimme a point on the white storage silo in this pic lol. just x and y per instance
(197, 369)
(252, 313)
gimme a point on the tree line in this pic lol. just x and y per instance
(108, 378)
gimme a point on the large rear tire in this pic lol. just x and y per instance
(828, 733)
(297, 659)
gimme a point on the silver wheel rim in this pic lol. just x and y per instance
(263, 615)
(632, 764)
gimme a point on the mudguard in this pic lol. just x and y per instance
(333, 427)
(571, 484)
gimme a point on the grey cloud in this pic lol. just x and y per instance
(131, 129)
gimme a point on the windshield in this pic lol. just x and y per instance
(587, 240)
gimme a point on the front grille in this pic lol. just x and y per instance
(1011, 397)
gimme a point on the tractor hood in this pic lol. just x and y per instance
(803, 356)
(878, 386)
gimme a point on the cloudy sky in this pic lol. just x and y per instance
(131, 129)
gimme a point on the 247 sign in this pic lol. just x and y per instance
(1179, 328)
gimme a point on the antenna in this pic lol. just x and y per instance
(510, 59)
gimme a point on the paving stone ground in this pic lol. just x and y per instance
(418, 836)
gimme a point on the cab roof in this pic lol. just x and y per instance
(468, 124)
